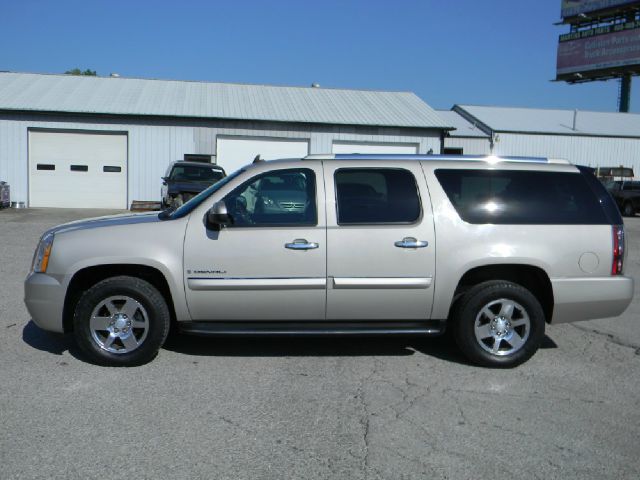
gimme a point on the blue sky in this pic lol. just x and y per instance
(492, 52)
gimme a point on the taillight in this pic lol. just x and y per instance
(618, 249)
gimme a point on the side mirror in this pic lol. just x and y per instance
(218, 217)
(164, 180)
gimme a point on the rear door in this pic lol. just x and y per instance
(380, 241)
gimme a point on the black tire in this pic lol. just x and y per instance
(517, 334)
(111, 300)
(628, 210)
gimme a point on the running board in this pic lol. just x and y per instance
(430, 327)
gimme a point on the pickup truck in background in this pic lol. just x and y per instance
(626, 193)
(184, 180)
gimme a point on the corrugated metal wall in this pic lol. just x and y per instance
(470, 146)
(592, 151)
(154, 143)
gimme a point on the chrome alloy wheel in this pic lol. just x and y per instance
(502, 327)
(119, 324)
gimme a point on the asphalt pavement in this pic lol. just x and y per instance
(312, 408)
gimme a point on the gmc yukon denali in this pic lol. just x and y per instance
(491, 248)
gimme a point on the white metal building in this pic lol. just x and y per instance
(74, 141)
(597, 139)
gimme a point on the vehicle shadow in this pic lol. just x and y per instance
(55, 343)
(441, 347)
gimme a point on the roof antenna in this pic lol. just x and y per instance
(257, 159)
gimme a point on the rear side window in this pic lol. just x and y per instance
(521, 197)
(376, 196)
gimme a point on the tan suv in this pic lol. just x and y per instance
(493, 248)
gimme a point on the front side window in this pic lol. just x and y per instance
(521, 197)
(376, 196)
(278, 198)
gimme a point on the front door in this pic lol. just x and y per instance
(381, 242)
(270, 264)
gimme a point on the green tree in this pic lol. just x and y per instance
(77, 71)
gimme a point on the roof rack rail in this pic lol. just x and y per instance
(399, 156)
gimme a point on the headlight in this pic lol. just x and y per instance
(41, 257)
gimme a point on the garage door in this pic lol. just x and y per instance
(343, 147)
(77, 170)
(236, 152)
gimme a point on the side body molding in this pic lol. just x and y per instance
(257, 283)
(381, 282)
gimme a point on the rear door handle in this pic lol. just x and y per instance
(410, 242)
(301, 244)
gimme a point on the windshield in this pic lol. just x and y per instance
(193, 173)
(198, 199)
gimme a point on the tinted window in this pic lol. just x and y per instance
(521, 197)
(376, 195)
(192, 173)
(604, 197)
(282, 197)
(631, 186)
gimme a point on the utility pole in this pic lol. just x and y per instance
(625, 93)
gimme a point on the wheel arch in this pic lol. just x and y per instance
(87, 277)
(533, 278)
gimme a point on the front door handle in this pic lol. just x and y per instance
(301, 244)
(410, 242)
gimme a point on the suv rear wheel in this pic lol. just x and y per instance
(499, 324)
(121, 321)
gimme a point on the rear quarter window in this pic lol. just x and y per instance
(521, 197)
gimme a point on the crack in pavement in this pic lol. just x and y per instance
(365, 421)
(610, 337)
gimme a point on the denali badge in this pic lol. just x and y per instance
(209, 272)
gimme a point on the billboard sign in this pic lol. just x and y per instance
(600, 52)
(571, 8)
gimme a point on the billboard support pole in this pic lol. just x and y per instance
(625, 93)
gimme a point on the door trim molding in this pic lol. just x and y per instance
(382, 282)
(257, 283)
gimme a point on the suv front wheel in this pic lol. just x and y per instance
(498, 324)
(121, 321)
